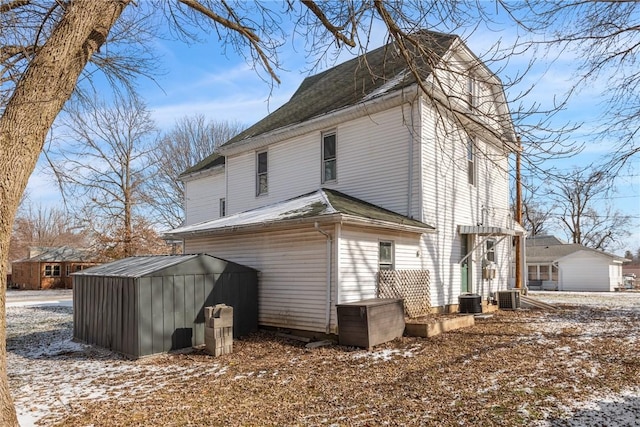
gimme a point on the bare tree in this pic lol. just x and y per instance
(46, 46)
(103, 161)
(36, 225)
(190, 141)
(605, 39)
(583, 220)
(536, 217)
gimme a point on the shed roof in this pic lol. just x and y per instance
(140, 266)
(374, 74)
(318, 205)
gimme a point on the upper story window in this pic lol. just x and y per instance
(261, 173)
(52, 270)
(223, 207)
(329, 166)
(471, 93)
(471, 161)
(385, 260)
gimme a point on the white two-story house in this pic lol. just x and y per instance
(363, 171)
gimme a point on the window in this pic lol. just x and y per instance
(386, 255)
(544, 272)
(329, 170)
(471, 162)
(223, 207)
(261, 173)
(52, 270)
(532, 272)
(491, 250)
(471, 95)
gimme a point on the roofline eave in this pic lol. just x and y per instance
(326, 120)
(186, 177)
(326, 219)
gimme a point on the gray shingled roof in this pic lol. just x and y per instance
(62, 254)
(317, 205)
(545, 249)
(344, 85)
(208, 162)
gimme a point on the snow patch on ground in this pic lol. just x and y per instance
(49, 373)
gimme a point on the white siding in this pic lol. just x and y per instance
(585, 271)
(449, 200)
(202, 198)
(292, 268)
(359, 260)
(372, 164)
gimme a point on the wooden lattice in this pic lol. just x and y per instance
(410, 285)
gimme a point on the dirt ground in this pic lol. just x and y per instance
(576, 366)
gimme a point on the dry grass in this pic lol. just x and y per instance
(516, 368)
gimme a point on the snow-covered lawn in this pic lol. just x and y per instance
(577, 366)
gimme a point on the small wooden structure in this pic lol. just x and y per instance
(140, 306)
(370, 322)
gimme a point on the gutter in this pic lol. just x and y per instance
(331, 218)
(200, 174)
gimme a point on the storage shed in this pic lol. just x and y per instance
(145, 305)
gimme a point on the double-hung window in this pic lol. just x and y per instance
(471, 93)
(385, 261)
(261, 173)
(471, 162)
(52, 270)
(490, 250)
(329, 165)
(223, 207)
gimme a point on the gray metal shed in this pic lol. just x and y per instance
(145, 305)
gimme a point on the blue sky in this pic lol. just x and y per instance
(200, 79)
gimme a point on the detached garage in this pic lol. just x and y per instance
(555, 265)
(145, 305)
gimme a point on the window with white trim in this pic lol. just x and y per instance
(490, 253)
(329, 156)
(471, 161)
(471, 93)
(52, 270)
(223, 207)
(385, 257)
(261, 173)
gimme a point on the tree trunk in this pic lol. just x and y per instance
(38, 98)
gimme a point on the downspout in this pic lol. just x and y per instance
(328, 296)
(410, 184)
(420, 163)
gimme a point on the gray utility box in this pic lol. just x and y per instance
(509, 300)
(370, 322)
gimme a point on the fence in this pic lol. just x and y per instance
(410, 285)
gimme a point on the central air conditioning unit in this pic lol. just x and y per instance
(509, 300)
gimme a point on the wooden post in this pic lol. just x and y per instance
(518, 218)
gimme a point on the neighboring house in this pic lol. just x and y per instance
(631, 273)
(359, 173)
(50, 267)
(555, 265)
